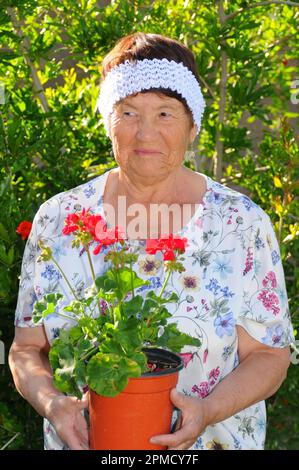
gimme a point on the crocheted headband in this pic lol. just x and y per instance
(129, 78)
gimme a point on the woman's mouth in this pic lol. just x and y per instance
(146, 151)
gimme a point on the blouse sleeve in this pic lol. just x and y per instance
(264, 311)
(43, 223)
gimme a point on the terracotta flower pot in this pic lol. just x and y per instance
(142, 410)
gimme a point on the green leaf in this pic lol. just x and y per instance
(106, 282)
(129, 280)
(133, 306)
(46, 306)
(175, 340)
(108, 374)
(11, 255)
(4, 234)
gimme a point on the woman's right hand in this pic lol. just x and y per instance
(65, 413)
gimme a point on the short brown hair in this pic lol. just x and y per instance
(139, 46)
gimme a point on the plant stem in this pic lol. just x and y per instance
(132, 284)
(92, 273)
(165, 283)
(10, 441)
(66, 316)
(88, 352)
(90, 262)
(65, 278)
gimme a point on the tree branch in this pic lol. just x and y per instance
(25, 48)
(207, 87)
(261, 4)
(217, 161)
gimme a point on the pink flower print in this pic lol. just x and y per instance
(202, 389)
(205, 305)
(213, 376)
(270, 278)
(48, 429)
(198, 222)
(270, 301)
(37, 290)
(205, 355)
(187, 357)
(189, 308)
(248, 262)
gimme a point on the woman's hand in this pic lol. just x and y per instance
(65, 413)
(193, 423)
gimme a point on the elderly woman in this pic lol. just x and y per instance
(232, 292)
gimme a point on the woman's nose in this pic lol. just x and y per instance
(146, 128)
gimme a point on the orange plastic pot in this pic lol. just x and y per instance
(142, 410)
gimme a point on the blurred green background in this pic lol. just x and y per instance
(51, 140)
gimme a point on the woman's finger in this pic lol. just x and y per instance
(183, 446)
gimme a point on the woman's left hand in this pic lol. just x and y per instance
(193, 423)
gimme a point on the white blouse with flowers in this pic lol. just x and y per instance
(233, 276)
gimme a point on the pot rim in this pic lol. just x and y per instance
(175, 357)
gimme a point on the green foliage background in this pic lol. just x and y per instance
(51, 139)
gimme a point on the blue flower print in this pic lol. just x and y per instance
(199, 444)
(33, 299)
(227, 351)
(260, 424)
(100, 201)
(222, 267)
(259, 243)
(155, 283)
(214, 286)
(227, 293)
(275, 336)
(237, 444)
(248, 203)
(256, 266)
(215, 198)
(55, 332)
(90, 191)
(282, 296)
(225, 324)
(275, 257)
(51, 273)
(58, 250)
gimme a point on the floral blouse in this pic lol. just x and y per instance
(233, 276)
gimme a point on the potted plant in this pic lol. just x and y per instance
(122, 345)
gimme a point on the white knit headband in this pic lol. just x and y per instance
(128, 78)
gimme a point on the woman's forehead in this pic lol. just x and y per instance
(152, 99)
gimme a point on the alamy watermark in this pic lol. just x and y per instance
(151, 221)
(2, 93)
(295, 96)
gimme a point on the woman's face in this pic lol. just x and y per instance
(150, 135)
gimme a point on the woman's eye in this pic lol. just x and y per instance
(128, 113)
(164, 114)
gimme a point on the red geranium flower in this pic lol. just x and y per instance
(71, 224)
(167, 244)
(106, 236)
(24, 229)
(81, 221)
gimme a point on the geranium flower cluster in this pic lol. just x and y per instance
(89, 227)
(114, 323)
